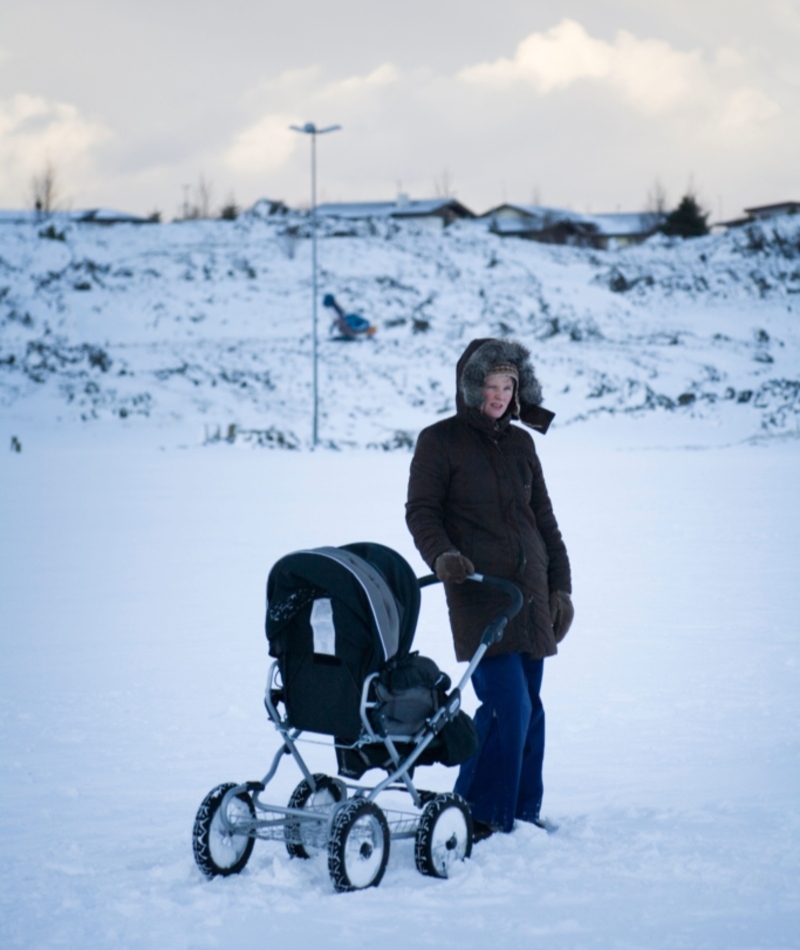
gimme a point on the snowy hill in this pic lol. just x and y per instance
(198, 326)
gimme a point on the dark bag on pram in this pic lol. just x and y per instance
(409, 690)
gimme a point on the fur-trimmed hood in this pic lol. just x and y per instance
(476, 361)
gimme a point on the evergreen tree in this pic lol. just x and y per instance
(687, 220)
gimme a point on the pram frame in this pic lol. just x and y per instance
(400, 824)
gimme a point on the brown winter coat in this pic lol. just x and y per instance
(477, 486)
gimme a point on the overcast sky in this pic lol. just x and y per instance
(582, 104)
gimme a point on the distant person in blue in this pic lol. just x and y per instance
(350, 326)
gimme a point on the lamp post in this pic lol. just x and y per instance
(310, 129)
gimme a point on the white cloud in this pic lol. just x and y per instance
(384, 75)
(548, 60)
(267, 145)
(263, 147)
(652, 75)
(34, 130)
(648, 74)
(745, 108)
(728, 58)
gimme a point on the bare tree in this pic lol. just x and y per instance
(655, 206)
(443, 185)
(200, 205)
(45, 189)
(203, 195)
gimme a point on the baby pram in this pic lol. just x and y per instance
(340, 623)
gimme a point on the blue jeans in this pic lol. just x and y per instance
(503, 780)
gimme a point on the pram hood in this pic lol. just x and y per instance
(375, 582)
(334, 616)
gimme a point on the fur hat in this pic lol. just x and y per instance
(500, 357)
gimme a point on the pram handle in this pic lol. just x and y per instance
(494, 632)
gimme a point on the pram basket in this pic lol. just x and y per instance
(338, 620)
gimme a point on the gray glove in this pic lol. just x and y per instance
(561, 613)
(452, 567)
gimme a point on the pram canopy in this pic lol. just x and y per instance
(334, 616)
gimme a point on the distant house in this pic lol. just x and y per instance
(512, 220)
(623, 228)
(760, 213)
(436, 211)
(87, 216)
(107, 216)
(560, 226)
(772, 211)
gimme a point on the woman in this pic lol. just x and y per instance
(477, 501)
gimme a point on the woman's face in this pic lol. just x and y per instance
(497, 394)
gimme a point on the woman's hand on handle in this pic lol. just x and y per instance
(453, 568)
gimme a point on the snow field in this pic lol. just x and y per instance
(135, 661)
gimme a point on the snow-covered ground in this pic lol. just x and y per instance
(134, 663)
(134, 555)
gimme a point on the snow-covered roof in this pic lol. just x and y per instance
(108, 216)
(509, 218)
(620, 224)
(534, 212)
(403, 208)
(769, 211)
(84, 216)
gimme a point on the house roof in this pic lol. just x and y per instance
(533, 211)
(85, 216)
(535, 217)
(394, 209)
(621, 224)
(108, 216)
(780, 208)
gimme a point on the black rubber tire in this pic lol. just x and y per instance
(444, 835)
(215, 851)
(358, 848)
(329, 791)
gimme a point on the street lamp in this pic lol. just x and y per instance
(310, 129)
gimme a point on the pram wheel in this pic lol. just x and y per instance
(358, 849)
(444, 835)
(216, 850)
(304, 839)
